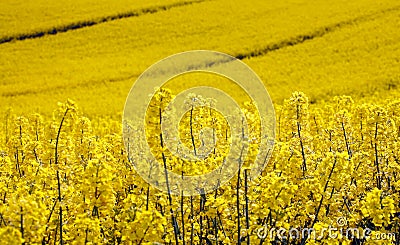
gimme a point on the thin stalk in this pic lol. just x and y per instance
(191, 131)
(147, 197)
(202, 204)
(377, 159)
(246, 187)
(221, 224)
(304, 167)
(183, 217)
(192, 224)
(61, 210)
(174, 223)
(58, 137)
(238, 197)
(346, 140)
(304, 239)
(22, 224)
(58, 175)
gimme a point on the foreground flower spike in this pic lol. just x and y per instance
(350, 182)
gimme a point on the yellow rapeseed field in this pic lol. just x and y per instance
(332, 69)
(24, 18)
(97, 65)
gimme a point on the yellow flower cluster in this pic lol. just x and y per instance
(68, 180)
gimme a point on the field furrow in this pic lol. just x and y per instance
(19, 17)
(96, 66)
(91, 22)
(319, 32)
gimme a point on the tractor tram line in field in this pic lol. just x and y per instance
(291, 41)
(320, 32)
(95, 21)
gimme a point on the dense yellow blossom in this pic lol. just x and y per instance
(330, 161)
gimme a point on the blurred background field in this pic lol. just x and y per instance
(92, 52)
